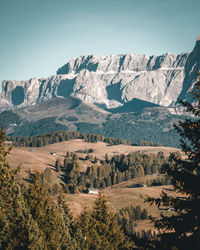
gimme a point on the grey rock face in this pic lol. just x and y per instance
(111, 81)
(191, 67)
(120, 63)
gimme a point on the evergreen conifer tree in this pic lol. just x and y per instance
(57, 165)
(83, 227)
(95, 160)
(18, 230)
(68, 237)
(100, 228)
(182, 229)
(47, 215)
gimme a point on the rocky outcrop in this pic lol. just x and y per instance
(191, 67)
(112, 81)
(123, 63)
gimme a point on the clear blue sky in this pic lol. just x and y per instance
(39, 36)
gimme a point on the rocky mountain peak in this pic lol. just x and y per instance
(191, 67)
(120, 63)
(111, 81)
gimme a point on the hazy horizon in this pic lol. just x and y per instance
(38, 37)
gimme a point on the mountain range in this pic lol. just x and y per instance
(111, 81)
(98, 90)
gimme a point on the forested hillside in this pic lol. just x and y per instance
(69, 114)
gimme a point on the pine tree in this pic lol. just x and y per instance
(182, 229)
(95, 160)
(102, 230)
(83, 228)
(68, 239)
(57, 165)
(18, 230)
(3, 150)
(75, 157)
(45, 213)
(106, 158)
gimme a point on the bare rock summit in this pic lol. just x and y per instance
(111, 81)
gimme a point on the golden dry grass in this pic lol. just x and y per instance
(118, 196)
(41, 158)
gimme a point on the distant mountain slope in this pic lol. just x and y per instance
(52, 115)
(153, 124)
(111, 81)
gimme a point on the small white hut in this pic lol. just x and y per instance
(53, 153)
(93, 190)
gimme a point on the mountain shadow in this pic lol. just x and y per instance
(18, 96)
(135, 105)
(65, 87)
(114, 92)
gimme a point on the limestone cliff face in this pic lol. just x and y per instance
(121, 63)
(111, 81)
(191, 67)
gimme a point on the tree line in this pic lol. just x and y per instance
(60, 136)
(54, 137)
